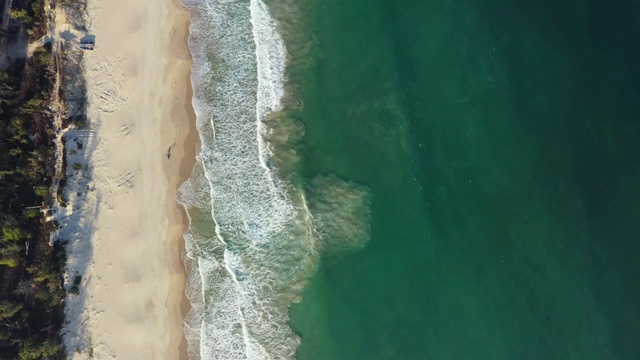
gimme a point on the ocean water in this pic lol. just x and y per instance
(250, 242)
(415, 180)
(254, 240)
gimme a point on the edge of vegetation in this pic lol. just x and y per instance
(31, 283)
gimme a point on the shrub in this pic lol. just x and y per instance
(37, 7)
(13, 233)
(11, 260)
(20, 15)
(6, 77)
(18, 128)
(31, 213)
(77, 166)
(80, 122)
(43, 55)
(8, 309)
(41, 190)
(33, 349)
(32, 104)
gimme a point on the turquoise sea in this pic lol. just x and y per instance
(441, 179)
(501, 144)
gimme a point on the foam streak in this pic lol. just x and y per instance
(251, 260)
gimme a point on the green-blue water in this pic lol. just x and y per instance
(500, 141)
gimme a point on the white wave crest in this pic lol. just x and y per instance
(251, 257)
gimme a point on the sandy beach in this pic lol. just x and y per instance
(127, 241)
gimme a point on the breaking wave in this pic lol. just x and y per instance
(251, 257)
(252, 242)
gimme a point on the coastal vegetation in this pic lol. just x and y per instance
(31, 291)
(30, 15)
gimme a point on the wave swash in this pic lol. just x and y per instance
(253, 241)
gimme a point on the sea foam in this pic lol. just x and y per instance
(250, 244)
(254, 239)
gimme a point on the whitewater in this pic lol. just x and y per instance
(254, 237)
(250, 245)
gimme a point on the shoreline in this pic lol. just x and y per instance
(187, 136)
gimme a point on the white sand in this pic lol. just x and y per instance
(122, 223)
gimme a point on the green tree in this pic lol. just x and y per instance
(20, 15)
(10, 260)
(9, 248)
(8, 309)
(31, 213)
(31, 105)
(18, 128)
(6, 78)
(4, 173)
(37, 7)
(14, 233)
(41, 190)
(15, 152)
(43, 55)
(32, 349)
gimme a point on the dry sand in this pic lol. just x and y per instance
(126, 238)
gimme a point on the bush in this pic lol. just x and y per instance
(32, 349)
(20, 15)
(41, 190)
(77, 166)
(80, 122)
(11, 260)
(18, 128)
(43, 55)
(13, 233)
(31, 213)
(8, 309)
(6, 77)
(37, 7)
(32, 104)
